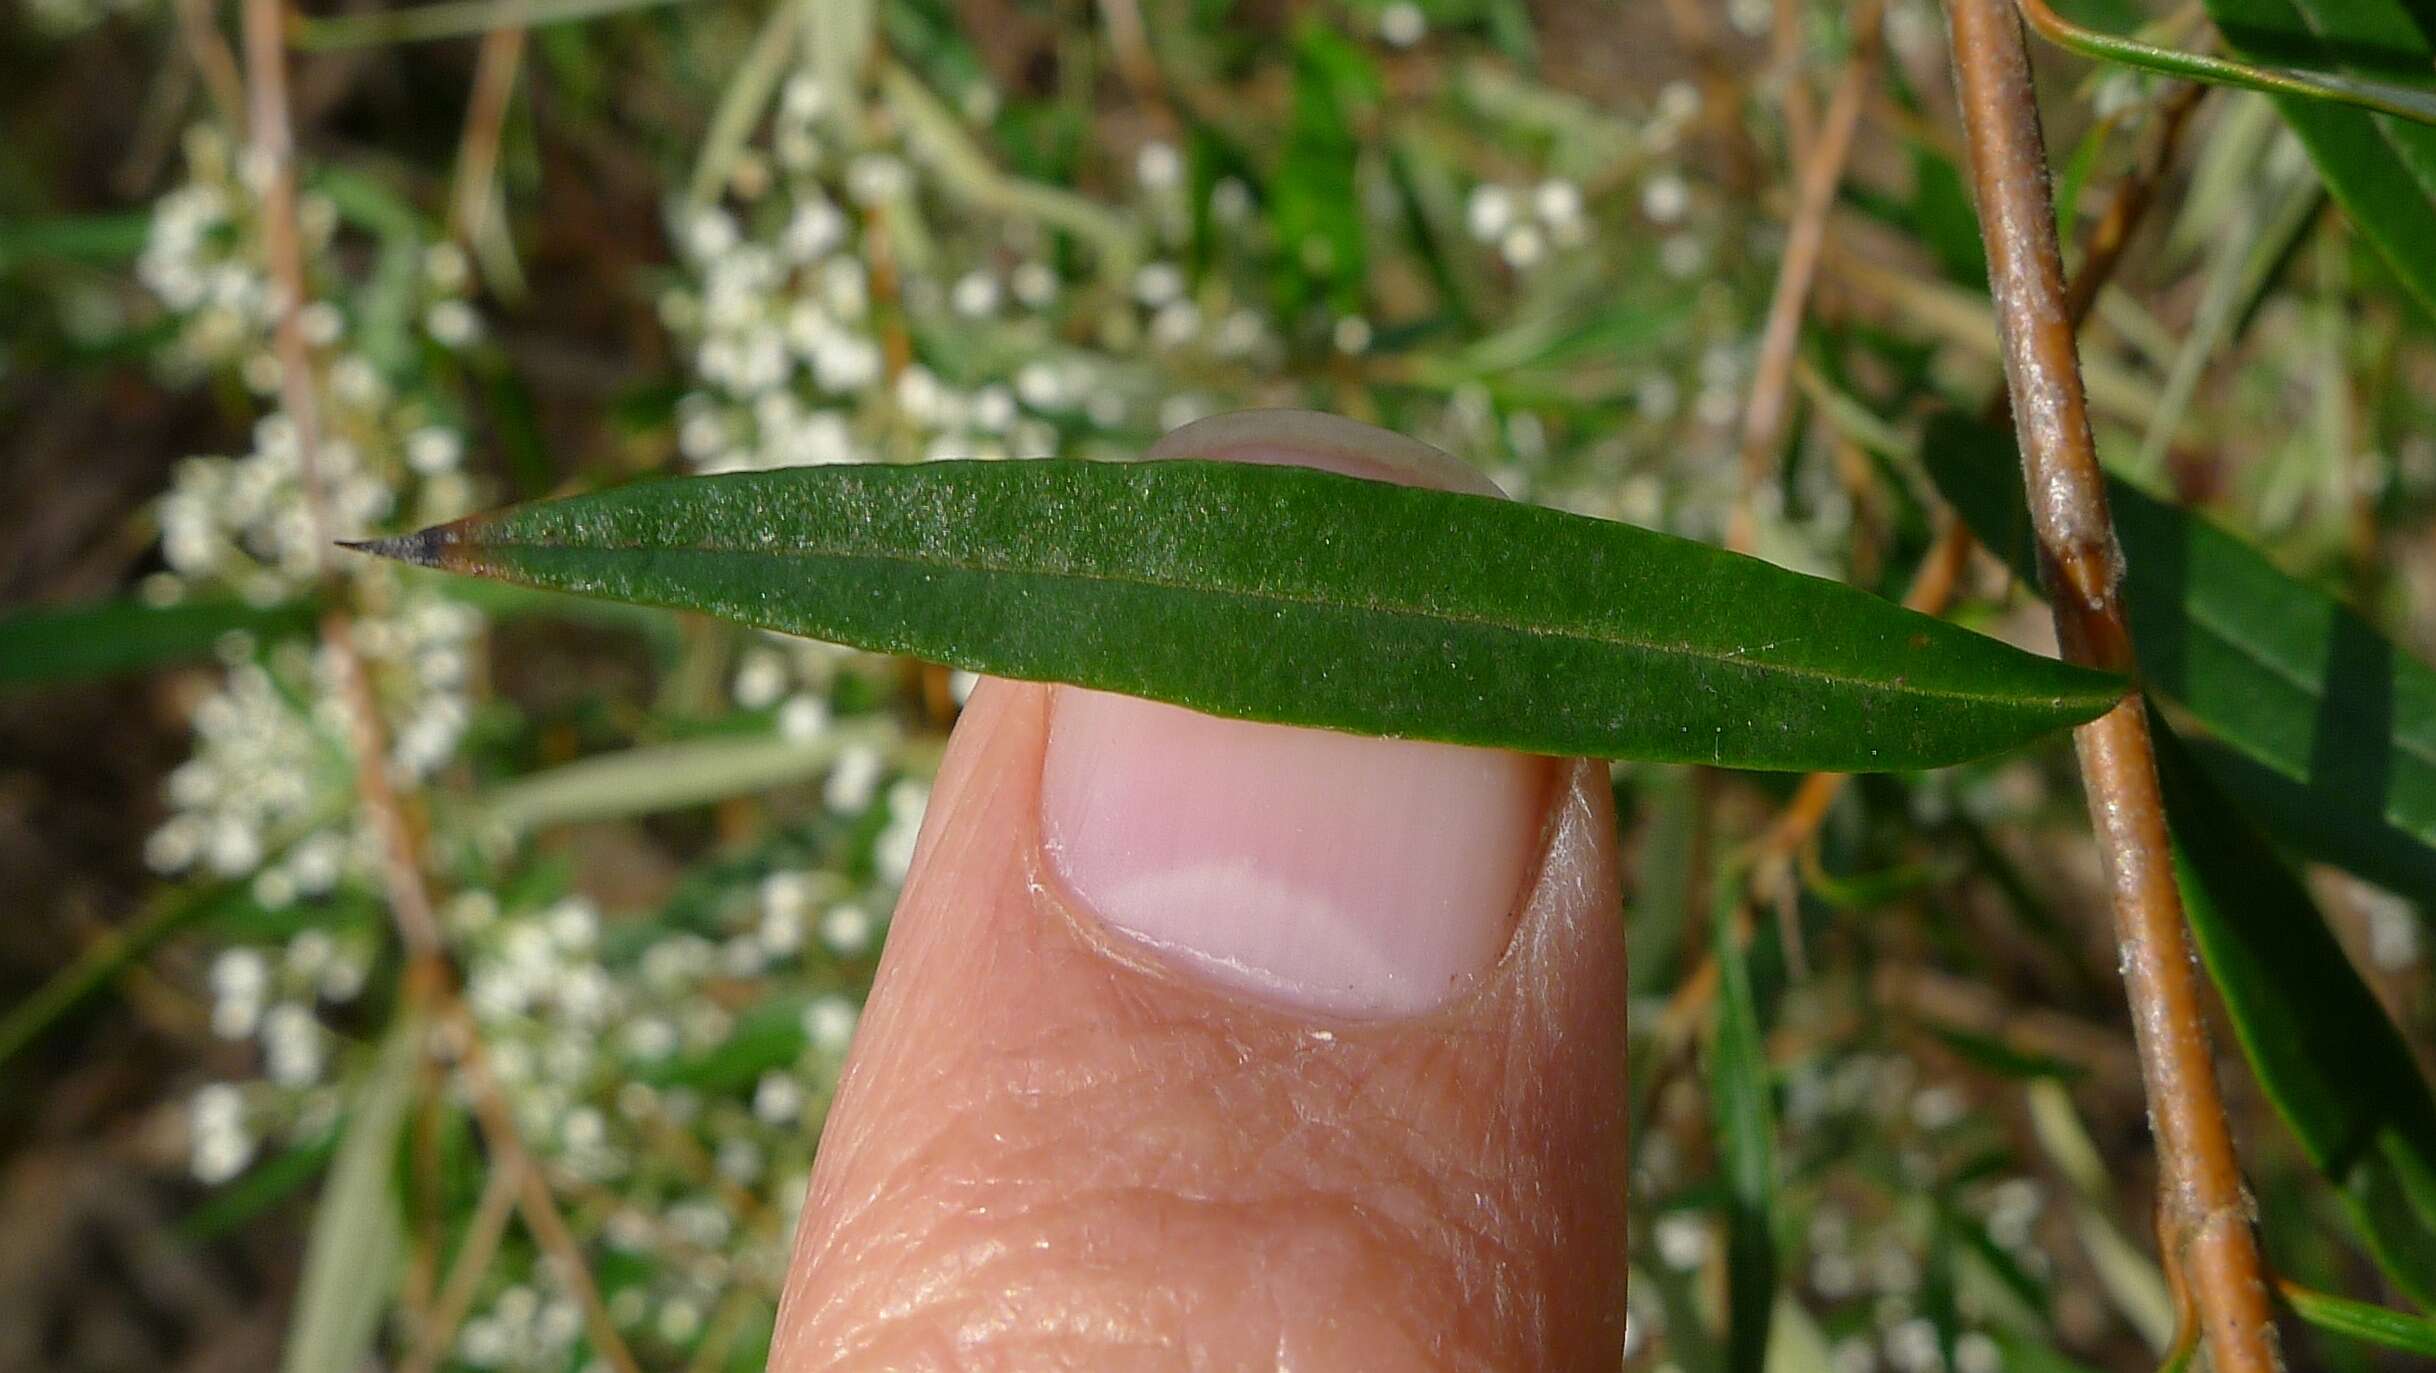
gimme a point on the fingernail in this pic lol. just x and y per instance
(1356, 877)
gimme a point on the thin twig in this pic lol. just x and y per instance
(1785, 67)
(2128, 205)
(474, 1254)
(2205, 1219)
(209, 48)
(534, 1200)
(271, 168)
(1695, 28)
(485, 125)
(1129, 44)
(1940, 573)
(1820, 171)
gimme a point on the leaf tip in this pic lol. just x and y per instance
(423, 548)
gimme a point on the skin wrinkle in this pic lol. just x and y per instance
(1421, 1186)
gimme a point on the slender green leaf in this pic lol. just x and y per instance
(1660, 911)
(2362, 1321)
(109, 638)
(1303, 597)
(2319, 82)
(2381, 168)
(744, 98)
(2324, 1050)
(172, 910)
(263, 1186)
(1746, 1147)
(104, 239)
(1318, 206)
(2128, 1276)
(447, 19)
(358, 1236)
(664, 777)
(2332, 716)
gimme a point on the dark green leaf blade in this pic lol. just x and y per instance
(2364, 1322)
(2315, 1036)
(2334, 723)
(1302, 597)
(1746, 1145)
(2382, 169)
(106, 638)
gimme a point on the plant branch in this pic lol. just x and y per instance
(270, 165)
(481, 1243)
(471, 218)
(1821, 170)
(1940, 572)
(2204, 1213)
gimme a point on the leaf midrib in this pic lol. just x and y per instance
(1309, 602)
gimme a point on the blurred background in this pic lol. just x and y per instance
(510, 1051)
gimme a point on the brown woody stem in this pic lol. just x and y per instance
(270, 161)
(2205, 1221)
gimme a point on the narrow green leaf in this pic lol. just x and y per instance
(170, 911)
(108, 638)
(446, 19)
(1307, 598)
(2382, 169)
(2315, 1036)
(101, 240)
(664, 777)
(2362, 1321)
(358, 1236)
(1318, 207)
(1746, 1148)
(1660, 911)
(2338, 723)
(2310, 82)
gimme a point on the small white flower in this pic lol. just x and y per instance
(803, 97)
(321, 323)
(1158, 166)
(877, 177)
(445, 267)
(1912, 1346)
(846, 930)
(452, 323)
(1402, 24)
(1665, 198)
(803, 718)
(434, 450)
(709, 233)
(1157, 283)
(1039, 386)
(1231, 201)
(1034, 283)
(1558, 202)
(291, 1045)
(777, 1099)
(975, 295)
(1176, 324)
(813, 231)
(1683, 1240)
(1351, 335)
(829, 1024)
(1523, 246)
(761, 678)
(1489, 212)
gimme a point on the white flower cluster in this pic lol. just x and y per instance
(268, 790)
(684, 1076)
(1527, 225)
